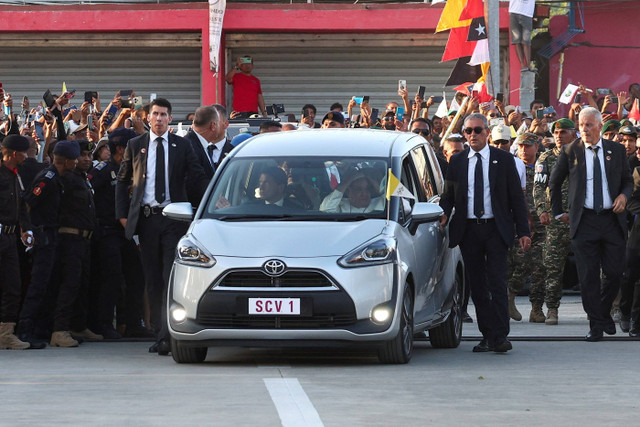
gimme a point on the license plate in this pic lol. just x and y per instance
(274, 306)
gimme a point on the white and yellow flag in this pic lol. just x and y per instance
(395, 188)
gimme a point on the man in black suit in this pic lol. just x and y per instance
(600, 183)
(483, 186)
(158, 166)
(207, 137)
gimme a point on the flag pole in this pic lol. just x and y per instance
(388, 195)
(455, 119)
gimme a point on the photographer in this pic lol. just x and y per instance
(247, 92)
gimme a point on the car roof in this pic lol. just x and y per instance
(330, 142)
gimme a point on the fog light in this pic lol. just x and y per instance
(179, 314)
(380, 314)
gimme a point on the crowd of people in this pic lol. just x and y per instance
(86, 253)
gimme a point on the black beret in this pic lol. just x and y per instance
(120, 136)
(68, 149)
(15, 142)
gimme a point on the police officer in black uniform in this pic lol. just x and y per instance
(13, 215)
(77, 222)
(117, 257)
(43, 199)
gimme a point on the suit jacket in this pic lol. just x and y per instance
(203, 156)
(571, 163)
(184, 171)
(507, 198)
(633, 206)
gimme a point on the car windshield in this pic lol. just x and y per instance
(300, 188)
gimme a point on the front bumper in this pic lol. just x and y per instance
(337, 311)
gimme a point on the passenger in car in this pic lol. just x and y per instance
(358, 194)
(271, 189)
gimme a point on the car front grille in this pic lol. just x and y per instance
(290, 279)
(324, 321)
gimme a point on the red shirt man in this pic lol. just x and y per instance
(247, 92)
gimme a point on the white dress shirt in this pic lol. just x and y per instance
(149, 197)
(218, 151)
(607, 203)
(484, 153)
(205, 145)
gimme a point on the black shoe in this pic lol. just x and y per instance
(153, 348)
(138, 332)
(594, 335)
(503, 347)
(482, 347)
(164, 347)
(625, 324)
(610, 329)
(34, 343)
(634, 333)
(109, 333)
(466, 318)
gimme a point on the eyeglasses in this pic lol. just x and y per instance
(477, 129)
(501, 142)
(494, 115)
(421, 131)
(387, 119)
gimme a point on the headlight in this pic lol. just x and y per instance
(178, 313)
(190, 252)
(380, 250)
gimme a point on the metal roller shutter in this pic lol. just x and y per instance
(296, 69)
(170, 72)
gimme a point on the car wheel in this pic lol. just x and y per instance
(400, 348)
(449, 333)
(186, 354)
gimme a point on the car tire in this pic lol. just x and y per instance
(449, 333)
(400, 348)
(187, 354)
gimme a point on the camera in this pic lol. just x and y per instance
(274, 109)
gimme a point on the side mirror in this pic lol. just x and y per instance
(426, 212)
(182, 211)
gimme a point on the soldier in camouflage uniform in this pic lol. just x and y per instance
(556, 245)
(530, 265)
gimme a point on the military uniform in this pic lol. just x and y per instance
(117, 257)
(77, 222)
(43, 199)
(524, 265)
(557, 242)
(13, 216)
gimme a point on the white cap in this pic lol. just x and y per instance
(501, 132)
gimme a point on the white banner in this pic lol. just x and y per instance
(216, 16)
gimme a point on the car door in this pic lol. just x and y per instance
(422, 242)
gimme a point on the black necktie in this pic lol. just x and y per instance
(597, 181)
(160, 169)
(478, 189)
(210, 149)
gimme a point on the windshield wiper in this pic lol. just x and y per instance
(237, 217)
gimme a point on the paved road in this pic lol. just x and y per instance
(538, 383)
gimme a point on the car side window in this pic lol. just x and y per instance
(425, 177)
(436, 175)
(409, 179)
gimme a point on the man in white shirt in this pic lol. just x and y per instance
(521, 25)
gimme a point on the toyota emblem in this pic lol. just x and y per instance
(274, 267)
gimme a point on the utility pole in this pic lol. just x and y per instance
(492, 13)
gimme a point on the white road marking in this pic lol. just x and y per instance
(293, 404)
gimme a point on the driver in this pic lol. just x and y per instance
(355, 195)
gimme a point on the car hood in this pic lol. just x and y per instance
(284, 239)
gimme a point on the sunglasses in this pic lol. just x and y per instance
(477, 129)
(387, 119)
(421, 131)
(494, 115)
(501, 142)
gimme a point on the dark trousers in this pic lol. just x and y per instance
(159, 237)
(73, 258)
(46, 241)
(118, 263)
(599, 243)
(10, 284)
(485, 258)
(629, 281)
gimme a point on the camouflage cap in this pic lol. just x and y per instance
(563, 124)
(629, 130)
(527, 139)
